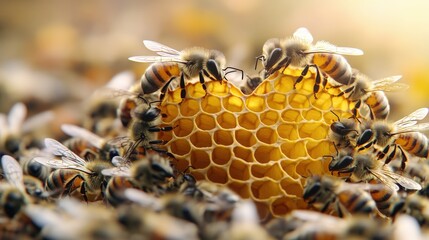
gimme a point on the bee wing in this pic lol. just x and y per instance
(106, 92)
(405, 182)
(362, 186)
(75, 131)
(16, 117)
(414, 128)
(13, 172)
(388, 84)
(58, 149)
(160, 49)
(303, 34)
(122, 141)
(63, 164)
(411, 119)
(123, 80)
(117, 171)
(119, 161)
(148, 59)
(326, 47)
(143, 199)
(381, 175)
(37, 121)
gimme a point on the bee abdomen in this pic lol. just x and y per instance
(378, 104)
(335, 65)
(115, 190)
(415, 143)
(157, 75)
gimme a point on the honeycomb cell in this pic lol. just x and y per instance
(227, 120)
(240, 188)
(239, 170)
(277, 101)
(291, 187)
(189, 107)
(245, 138)
(200, 159)
(323, 101)
(265, 154)
(291, 115)
(340, 104)
(314, 130)
(273, 171)
(219, 88)
(264, 189)
(288, 131)
(266, 135)
(197, 175)
(222, 137)
(249, 121)
(170, 113)
(205, 122)
(244, 153)
(181, 164)
(289, 167)
(201, 139)
(298, 101)
(255, 103)
(317, 149)
(263, 88)
(233, 104)
(221, 155)
(183, 128)
(306, 86)
(217, 174)
(294, 150)
(211, 104)
(269, 117)
(180, 147)
(279, 206)
(312, 114)
(195, 90)
(306, 168)
(284, 84)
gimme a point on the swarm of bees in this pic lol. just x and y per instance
(146, 177)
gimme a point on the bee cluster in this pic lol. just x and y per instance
(303, 150)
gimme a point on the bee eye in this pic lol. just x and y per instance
(365, 137)
(273, 58)
(113, 153)
(213, 69)
(339, 165)
(311, 191)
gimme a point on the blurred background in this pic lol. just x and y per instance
(54, 54)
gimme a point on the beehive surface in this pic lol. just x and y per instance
(262, 145)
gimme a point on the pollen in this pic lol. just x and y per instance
(263, 145)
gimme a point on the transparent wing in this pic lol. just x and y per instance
(58, 149)
(109, 93)
(403, 181)
(148, 59)
(326, 47)
(57, 163)
(362, 186)
(411, 119)
(414, 128)
(388, 84)
(119, 161)
(161, 49)
(38, 121)
(16, 117)
(303, 34)
(13, 172)
(117, 171)
(76, 131)
(380, 175)
(122, 141)
(122, 80)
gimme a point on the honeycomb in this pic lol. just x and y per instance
(261, 145)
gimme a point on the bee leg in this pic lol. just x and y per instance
(164, 89)
(318, 83)
(202, 81)
(301, 77)
(283, 64)
(404, 158)
(182, 86)
(83, 191)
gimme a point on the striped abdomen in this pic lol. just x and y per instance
(157, 75)
(63, 181)
(356, 201)
(383, 197)
(378, 105)
(335, 65)
(115, 190)
(415, 143)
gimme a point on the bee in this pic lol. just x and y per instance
(33, 168)
(335, 195)
(297, 51)
(172, 64)
(251, 84)
(414, 205)
(387, 138)
(128, 103)
(344, 133)
(104, 150)
(383, 196)
(365, 167)
(73, 173)
(361, 89)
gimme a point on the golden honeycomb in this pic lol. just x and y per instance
(261, 145)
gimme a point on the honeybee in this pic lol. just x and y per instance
(383, 196)
(365, 167)
(104, 150)
(387, 138)
(297, 51)
(33, 168)
(340, 197)
(172, 64)
(414, 205)
(248, 86)
(73, 173)
(344, 133)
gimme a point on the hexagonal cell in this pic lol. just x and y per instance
(288, 131)
(306, 168)
(255, 103)
(217, 174)
(264, 189)
(340, 103)
(284, 84)
(205, 122)
(197, 175)
(184, 127)
(169, 112)
(323, 101)
(312, 114)
(265, 154)
(180, 164)
(201, 139)
(279, 206)
(233, 104)
(269, 117)
(298, 101)
(223, 137)
(241, 189)
(291, 115)
(195, 90)
(277, 101)
(227, 120)
(306, 86)
(318, 149)
(292, 187)
(294, 150)
(266, 135)
(180, 147)
(314, 130)
(290, 168)
(218, 88)
(239, 170)
(244, 153)
(273, 171)
(245, 138)
(211, 104)
(249, 121)
(189, 107)
(221, 155)
(200, 159)
(164, 135)
(263, 88)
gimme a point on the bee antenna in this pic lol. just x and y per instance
(259, 58)
(234, 69)
(338, 117)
